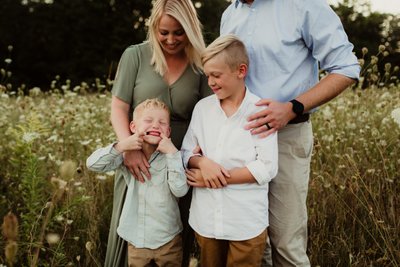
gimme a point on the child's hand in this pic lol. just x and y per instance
(133, 142)
(166, 146)
(194, 178)
(214, 175)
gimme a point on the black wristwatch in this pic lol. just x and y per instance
(298, 107)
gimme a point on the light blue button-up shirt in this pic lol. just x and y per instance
(286, 40)
(150, 216)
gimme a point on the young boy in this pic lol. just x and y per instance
(229, 209)
(150, 220)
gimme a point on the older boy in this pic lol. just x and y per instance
(229, 209)
(150, 220)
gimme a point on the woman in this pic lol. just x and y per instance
(166, 66)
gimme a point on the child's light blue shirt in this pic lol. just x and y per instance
(150, 216)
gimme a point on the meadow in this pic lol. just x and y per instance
(56, 213)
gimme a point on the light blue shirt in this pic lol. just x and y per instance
(150, 216)
(285, 40)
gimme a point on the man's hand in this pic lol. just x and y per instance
(194, 178)
(136, 162)
(166, 146)
(276, 115)
(214, 175)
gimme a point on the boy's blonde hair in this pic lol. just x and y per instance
(185, 13)
(147, 104)
(231, 47)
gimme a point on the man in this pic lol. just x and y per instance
(286, 41)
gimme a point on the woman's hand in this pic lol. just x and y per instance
(136, 162)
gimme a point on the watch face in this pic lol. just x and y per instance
(298, 107)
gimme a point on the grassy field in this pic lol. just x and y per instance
(60, 211)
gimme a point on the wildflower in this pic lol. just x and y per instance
(58, 183)
(68, 169)
(396, 115)
(361, 62)
(52, 238)
(101, 177)
(10, 226)
(29, 137)
(8, 60)
(10, 48)
(381, 48)
(364, 50)
(11, 252)
(89, 246)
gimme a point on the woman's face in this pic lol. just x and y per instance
(171, 35)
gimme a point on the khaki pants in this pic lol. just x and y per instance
(287, 197)
(221, 253)
(168, 255)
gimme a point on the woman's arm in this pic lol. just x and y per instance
(135, 161)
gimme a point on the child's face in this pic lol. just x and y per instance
(224, 82)
(152, 122)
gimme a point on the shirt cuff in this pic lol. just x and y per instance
(257, 169)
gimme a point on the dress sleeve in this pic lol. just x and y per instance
(125, 77)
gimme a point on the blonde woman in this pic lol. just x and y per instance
(166, 66)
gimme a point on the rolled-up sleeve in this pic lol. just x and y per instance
(265, 167)
(325, 36)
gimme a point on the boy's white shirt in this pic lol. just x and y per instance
(240, 211)
(150, 216)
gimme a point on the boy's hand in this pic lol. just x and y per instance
(133, 142)
(166, 146)
(214, 175)
(194, 178)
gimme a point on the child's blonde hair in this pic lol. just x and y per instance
(231, 47)
(150, 103)
(185, 13)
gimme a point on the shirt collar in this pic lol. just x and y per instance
(242, 1)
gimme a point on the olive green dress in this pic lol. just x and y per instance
(135, 82)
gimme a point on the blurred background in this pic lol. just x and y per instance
(82, 40)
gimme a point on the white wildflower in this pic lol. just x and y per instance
(101, 177)
(85, 142)
(29, 137)
(396, 115)
(110, 173)
(53, 238)
(8, 60)
(89, 246)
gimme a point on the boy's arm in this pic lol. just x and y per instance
(214, 175)
(176, 174)
(104, 159)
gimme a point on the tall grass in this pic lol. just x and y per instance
(63, 210)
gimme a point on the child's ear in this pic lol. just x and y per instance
(168, 132)
(242, 71)
(132, 127)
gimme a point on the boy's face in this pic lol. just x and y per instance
(152, 122)
(224, 82)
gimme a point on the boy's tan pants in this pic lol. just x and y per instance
(217, 252)
(169, 255)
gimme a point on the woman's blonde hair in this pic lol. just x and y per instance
(185, 13)
(232, 49)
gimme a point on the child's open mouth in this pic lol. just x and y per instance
(153, 133)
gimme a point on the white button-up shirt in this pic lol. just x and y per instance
(239, 211)
(150, 216)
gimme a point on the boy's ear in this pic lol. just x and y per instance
(132, 127)
(168, 132)
(242, 71)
